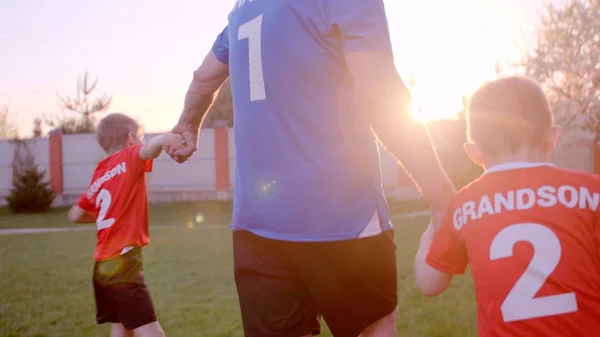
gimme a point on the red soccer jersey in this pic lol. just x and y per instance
(531, 234)
(118, 197)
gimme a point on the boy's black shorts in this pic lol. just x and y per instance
(121, 293)
(284, 287)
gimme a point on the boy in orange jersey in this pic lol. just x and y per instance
(529, 230)
(116, 201)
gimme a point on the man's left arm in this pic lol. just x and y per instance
(384, 100)
(207, 80)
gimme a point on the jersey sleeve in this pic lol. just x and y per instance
(448, 253)
(221, 46)
(86, 204)
(137, 164)
(362, 25)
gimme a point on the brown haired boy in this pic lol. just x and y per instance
(528, 229)
(116, 200)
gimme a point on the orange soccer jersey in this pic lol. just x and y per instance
(117, 195)
(531, 234)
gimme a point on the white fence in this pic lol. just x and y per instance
(169, 181)
(197, 178)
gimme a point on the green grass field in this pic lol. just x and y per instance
(46, 289)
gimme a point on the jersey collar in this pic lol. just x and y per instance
(517, 165)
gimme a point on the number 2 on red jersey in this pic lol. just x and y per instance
(521, 303)
(103, 200)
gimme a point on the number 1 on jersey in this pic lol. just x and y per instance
(252, 30)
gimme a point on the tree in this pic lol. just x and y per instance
(7, 129)
(565, 60)
(31, 192)
(37, 127)
(83, 105)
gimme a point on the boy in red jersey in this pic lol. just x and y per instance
(529, 230)
(116, 201)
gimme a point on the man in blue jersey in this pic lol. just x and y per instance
(313, 81)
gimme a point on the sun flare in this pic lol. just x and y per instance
(434, 107)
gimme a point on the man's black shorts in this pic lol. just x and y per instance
(284, 287)
(121, 293)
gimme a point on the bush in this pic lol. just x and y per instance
(30, 193)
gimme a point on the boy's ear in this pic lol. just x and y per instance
(474, 152)
(132, 139)
(551, 138)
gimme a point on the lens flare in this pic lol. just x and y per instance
(109, 268)
(265, 189)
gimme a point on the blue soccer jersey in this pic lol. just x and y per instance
(307, 163)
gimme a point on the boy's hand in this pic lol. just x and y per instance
(174, 141)
(190, 135)
(156, 145)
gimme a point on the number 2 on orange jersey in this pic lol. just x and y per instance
(103, 200)
(521, 303)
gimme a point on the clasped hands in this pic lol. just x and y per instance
(189, 143)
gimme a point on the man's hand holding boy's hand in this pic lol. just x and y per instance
(190, 136)
(156, 145)
(174, 141)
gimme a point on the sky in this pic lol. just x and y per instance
(144, 52)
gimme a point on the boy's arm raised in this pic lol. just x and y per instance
(155, 146)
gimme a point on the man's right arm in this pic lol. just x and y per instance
(207, 80)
